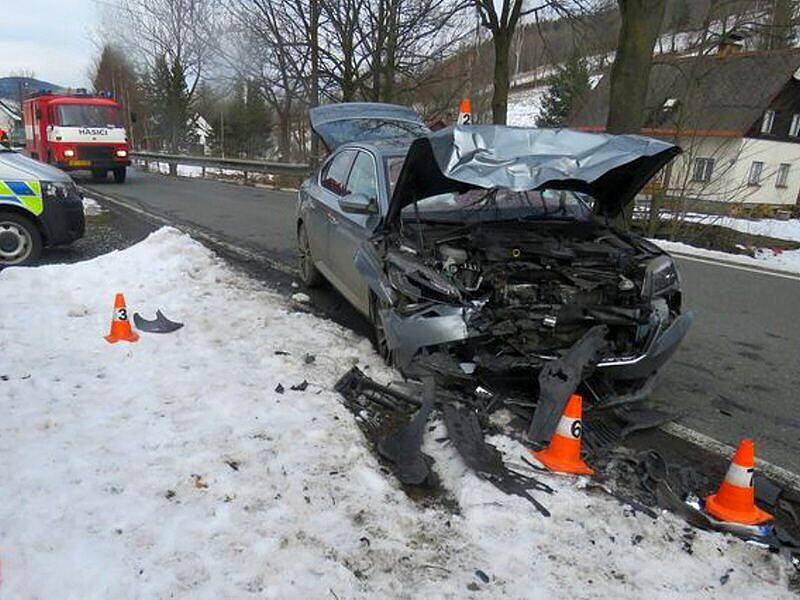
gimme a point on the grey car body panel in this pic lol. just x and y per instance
(610, 168)
(435, 324)
(328, 121)
(663, 347)
(14, 165)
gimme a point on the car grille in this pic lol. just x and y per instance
(95, 152)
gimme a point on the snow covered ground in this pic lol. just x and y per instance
(787, 260)
(91, 207)
(776, 228)
(173, 468)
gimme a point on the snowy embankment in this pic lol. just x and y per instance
(173, 468)
(787, 260)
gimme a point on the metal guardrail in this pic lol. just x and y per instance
(277, 172)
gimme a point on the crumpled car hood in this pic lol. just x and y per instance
(610, 168)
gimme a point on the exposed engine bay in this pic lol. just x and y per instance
(527, 291)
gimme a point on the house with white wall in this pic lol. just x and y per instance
(735, 114)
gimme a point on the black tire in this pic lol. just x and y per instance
(378, 334)
(119, 174)
(20, 240)
(308, 271)
(99, 174)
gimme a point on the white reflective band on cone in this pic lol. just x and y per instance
(570, 428)
(740, 476)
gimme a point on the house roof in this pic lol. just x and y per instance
(704, 95)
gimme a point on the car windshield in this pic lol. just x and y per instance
(498, 204)
(89, 115)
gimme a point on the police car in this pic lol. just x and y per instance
(39, 206)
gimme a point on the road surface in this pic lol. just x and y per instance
(736, 375)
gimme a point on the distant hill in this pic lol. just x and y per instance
(10, 86)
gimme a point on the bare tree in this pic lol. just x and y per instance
(184, 32)
(502, 24)
(630, 74)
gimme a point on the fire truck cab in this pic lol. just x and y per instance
(77, 132)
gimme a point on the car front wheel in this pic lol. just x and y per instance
(378, 331)
(20, 240)
(308, 270)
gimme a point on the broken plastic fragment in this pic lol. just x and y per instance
(160, 324)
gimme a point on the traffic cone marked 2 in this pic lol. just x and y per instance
(465, 113)
(121, 329)
(734, 501)
(563, 454)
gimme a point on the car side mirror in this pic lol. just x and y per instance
(357, 204)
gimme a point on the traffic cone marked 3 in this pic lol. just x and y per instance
(121, 329)
(563, 454)
(734, 501)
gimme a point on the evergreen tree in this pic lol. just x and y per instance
(568, 86)
(170, 104)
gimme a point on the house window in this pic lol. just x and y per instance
(794, 128)
(781, 180)
(754, 176)
(766, 123)
(703, 167)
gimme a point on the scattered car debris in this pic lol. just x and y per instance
(309, 359)
(199, 482)
(279, 388)
(482, 576)
(299, 387)
(160, 324)
(402, 448)
(465, 432)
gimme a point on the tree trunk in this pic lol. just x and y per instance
(314, 41)
(502, 46)
(630, 74)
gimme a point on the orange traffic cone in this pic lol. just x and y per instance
(563, 455)
(735, 499)
(120, 325)
(465, 113)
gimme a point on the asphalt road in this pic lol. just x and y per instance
(736, 375)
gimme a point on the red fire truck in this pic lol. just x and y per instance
(77, 132)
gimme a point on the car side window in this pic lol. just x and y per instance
(363, 177)
(334, 174)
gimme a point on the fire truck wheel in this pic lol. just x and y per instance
(99, 174)
(119, 175)
(20, 240)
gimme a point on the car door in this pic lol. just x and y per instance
(324, 209)
(353, 229)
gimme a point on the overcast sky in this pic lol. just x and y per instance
(52, 38)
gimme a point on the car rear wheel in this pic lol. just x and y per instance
(119, 174)
(20, 240)
(308, 270)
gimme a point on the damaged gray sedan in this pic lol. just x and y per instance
(484, 253)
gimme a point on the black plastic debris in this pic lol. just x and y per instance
(160, 324)
(559, 378)
(403, 447)
(464, 431)
(279, 388)
(299, 387)
(482, 576)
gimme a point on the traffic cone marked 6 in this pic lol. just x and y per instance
(563, 454)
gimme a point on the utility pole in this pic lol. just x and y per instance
(314, 76)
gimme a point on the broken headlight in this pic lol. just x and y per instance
(661, 276)
(58, 190)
